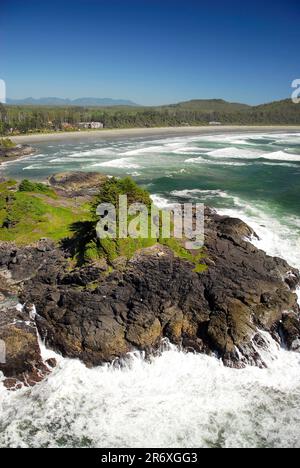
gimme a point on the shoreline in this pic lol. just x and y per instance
(156, 263)
(21, 151)
(144, 132)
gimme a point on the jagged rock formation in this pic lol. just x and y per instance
(76, 184)
(15, 152)
(97, 315)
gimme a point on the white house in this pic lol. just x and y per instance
(94, 125)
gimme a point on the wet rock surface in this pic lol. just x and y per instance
(76, 184)
(97, 315)
(23, 363)
(20, 355)
(16, 152)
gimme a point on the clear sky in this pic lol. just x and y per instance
(150, 51)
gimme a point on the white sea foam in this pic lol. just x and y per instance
(47, 353)
(234, 139)
(282, 156)
(177, 400)
(121, 163)
(202, 160)
(161, 202)
(4, 164)
(291, 140)
(246, 154)
(70, 160)
(298, 294)
(279, 164)
(191, 150)
(236, 153)
(92, 152)
(197, 193)
(277, 237)
(145, 150)
(36, 167)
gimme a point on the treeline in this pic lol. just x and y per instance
(25, 119)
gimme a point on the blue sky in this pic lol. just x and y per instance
(150, 51)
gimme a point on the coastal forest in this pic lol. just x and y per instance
(15, 119)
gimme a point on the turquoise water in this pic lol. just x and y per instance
(253, 167)
(254, 176)
(177, 400)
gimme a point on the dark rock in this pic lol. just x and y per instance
(77, 184)
(291, 331)
(51, 362)
(20, 359)
(16, 152)
(89, 314)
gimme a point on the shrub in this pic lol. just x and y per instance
(6, 143)
(113, 188)
(37, 187)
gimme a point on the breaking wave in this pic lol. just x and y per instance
(198, 194)
(278, 237)
(178, 399)
(122, 163)
(236, 153)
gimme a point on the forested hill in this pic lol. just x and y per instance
(24, 119)
(208, 105)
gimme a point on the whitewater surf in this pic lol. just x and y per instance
(178, 399)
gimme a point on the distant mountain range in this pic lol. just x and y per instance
(87, 101)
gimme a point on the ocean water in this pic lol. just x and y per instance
(178, 399)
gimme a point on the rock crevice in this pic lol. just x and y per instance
(97, 316)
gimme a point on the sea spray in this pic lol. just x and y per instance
(277, 237)
(177, 399)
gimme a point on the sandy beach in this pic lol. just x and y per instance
(145, 132)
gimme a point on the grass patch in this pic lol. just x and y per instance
(25, 219)
(36, 187)
(180, 251)
(7, 186)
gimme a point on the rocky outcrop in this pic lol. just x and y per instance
(97, 315)
(20, 361)
(20, 354)
(247, 291)
(15, 152)
(77, 184)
